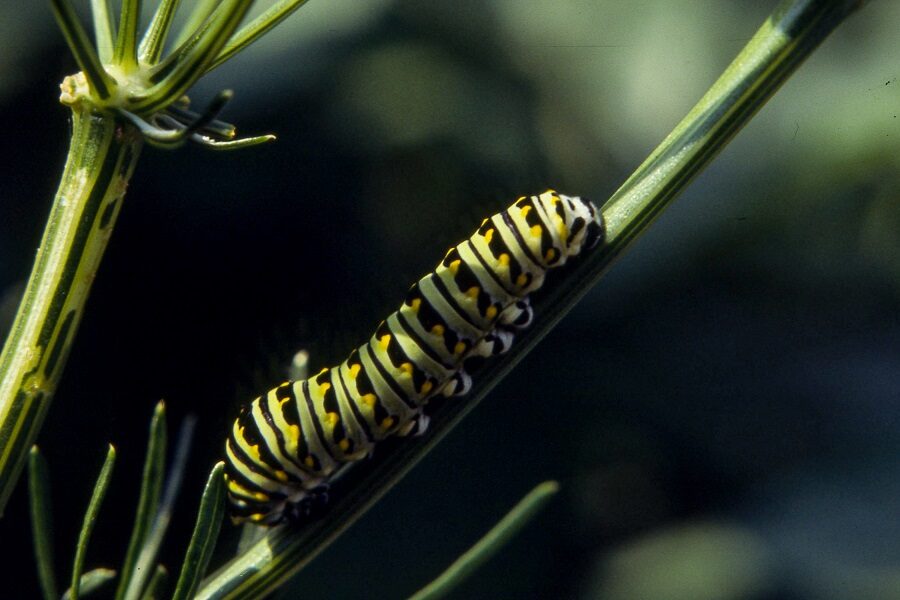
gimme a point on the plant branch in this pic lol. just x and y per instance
(490, 544)
(786, 38)
(100, 162)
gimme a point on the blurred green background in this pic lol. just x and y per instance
(722, 411)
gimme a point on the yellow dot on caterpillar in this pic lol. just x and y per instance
(550, 254)
(525, 211)
(384, 341)
(354, 370)
(488, 235)
(332, 419)
(554, 199)
(387, 423)
(309, 462)
(503, 259)
(295, 434)
(369, 399)
(325, 369)
(254, 450)
(415, 304)
(260, 496)
(563, 231)
(536, 231)
(344, 444)
(256, 517)
(454, 266)
(438, 330)
(407, 368)
(472, 292)
(281, 476)
(459, 348)
(426, 387)
(521, 280)
(325, 387)
(491, 312)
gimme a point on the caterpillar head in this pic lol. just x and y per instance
(584, 223)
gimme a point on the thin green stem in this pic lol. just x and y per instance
(251, 32)
(148, 503)
(90, 518)
(126, 38)
(101, 159)
(787, 37)
(203, 9)
(42, 522)
(490, 544)
(186, 67)
(206, 531)
(155, 39)
(85, 55)
(91, 582)
(103, 29)
(157, 532)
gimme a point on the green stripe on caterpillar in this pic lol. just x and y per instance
(286, 445)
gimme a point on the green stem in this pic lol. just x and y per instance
(499, 535)
(101, 160)
(786, 38)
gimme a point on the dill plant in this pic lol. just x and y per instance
(131, 91)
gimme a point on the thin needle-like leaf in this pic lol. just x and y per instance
(234, 144)
(487, 546)
(154, 39)
(85, 55)
(90, 518)
(203, 9)
(206, 531)
(90, 582)
(103, 29)
(42, 522)
(184, 68)
(255, 29)
(154, 538)
(151, 487)
(126, 37)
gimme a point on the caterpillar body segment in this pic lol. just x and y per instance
(286, 445)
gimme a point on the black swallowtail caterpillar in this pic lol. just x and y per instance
(286, 444)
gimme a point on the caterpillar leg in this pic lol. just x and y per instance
(518, 315)
(459, 384)
(496, 342)
(313, 502)
(415, 427)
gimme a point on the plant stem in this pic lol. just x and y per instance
(786, 38)
(101, 160)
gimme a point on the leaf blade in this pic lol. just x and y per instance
(206, 531)
(42, 522)
(90, 518)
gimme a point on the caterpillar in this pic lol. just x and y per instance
(285, 445)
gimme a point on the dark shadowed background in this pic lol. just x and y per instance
(722, 411)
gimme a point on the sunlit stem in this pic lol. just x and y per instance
(257, 28)
(155, 39)
(126, 38)
(101, 159)
(193, 64)
(103, 29)
(77, 38)
(203, 9)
